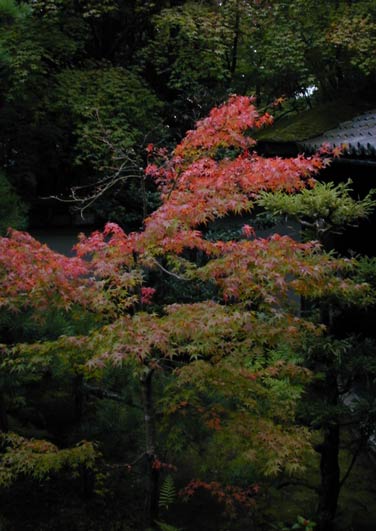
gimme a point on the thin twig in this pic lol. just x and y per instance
(104, 393)
(353, 460)
(297, 484)
(179, 277)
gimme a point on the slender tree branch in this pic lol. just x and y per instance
(178, 277)
(127, 465)
(104, 393)
(297, 484)
(353, 461)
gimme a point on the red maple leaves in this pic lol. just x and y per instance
(211, 173)
(33, 275)
(229, 495)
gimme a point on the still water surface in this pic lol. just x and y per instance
(60, 239)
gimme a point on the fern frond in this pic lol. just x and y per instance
(167, 493)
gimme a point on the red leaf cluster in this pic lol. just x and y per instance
(32, 274)
(232, 497)
(211, 173)
(160, 465)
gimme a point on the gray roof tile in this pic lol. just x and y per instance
(358, 135)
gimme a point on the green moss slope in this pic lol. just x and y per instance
(314, 122)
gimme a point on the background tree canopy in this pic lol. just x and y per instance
(78, 76)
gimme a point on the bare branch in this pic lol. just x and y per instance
(296, 483)
(160, 266)
(353, 461)
(104, 393)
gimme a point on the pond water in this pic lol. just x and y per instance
(60, 239)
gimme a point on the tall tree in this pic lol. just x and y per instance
(231, 360)
(325, 211)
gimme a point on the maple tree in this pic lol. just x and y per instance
(230, 363)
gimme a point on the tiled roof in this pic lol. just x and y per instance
(357, 135)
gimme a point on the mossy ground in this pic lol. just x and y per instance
(356, 508)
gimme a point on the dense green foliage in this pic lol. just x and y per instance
(326, 208)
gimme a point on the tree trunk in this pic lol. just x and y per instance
(78, 393)
(329, 464)
(152, 473)
(144, 199)
(4, 427)
(234, 54)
